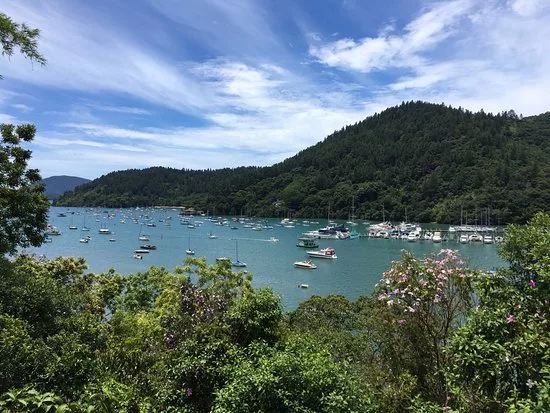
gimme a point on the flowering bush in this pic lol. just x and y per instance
(428, 300)
(439, 288)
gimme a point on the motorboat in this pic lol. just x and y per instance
(307, 243)
(428, 235)
(437, 236)
(190, 251)
(303, 285)
(307, 264)
(51, 230)
(104, 231)
(327, 252)
(149, 247)
(411, 237)
(141, 251)
(475, 237)
(464, 239)
(143, 238)
(138, 257)
(487, 239)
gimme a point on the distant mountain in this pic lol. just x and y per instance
(421, 161)
(58, 185)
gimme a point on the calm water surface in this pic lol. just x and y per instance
(357, 269)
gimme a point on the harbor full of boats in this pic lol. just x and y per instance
(328, 257)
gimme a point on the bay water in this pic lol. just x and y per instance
(354, 273)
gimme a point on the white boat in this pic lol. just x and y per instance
(327, 253)
(412, 237)
(307, 264)
(475, 237)
(104, 231)
(273, 239)
(73, 227)
(498, 239)
(487, 239)
(464, 239)
(428, 235)
(51, 230)
(303, 285)
(437, 236)
(138, 257)
(141, 251)
(143, 238)
(84, 240)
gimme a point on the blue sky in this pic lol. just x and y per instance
(222, 83)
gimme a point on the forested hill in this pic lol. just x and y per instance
(424, 161)
(55, 186)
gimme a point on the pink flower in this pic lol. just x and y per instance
(401, 322)
(511, 319)
(390, 302)
(532, 283)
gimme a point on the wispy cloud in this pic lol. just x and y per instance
(87, 55)
(120, 109)
(387, 50)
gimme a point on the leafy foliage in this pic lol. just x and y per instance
(424, 161)
(19, 36)
(23, 206)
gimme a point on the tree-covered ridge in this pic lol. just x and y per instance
(421, 160)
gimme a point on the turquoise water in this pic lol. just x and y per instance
(357, 269)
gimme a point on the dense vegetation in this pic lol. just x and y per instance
(425, 161)
(435, 336)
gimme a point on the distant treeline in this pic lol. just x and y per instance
(427, 162)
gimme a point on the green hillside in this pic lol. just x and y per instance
(425, 161)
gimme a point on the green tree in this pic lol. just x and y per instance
(19, 36)
(500, 358)
(23, 205)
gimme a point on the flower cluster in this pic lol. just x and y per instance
(411, 284)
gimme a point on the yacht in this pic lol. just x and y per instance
(437, 236)
(327, 252)
(307, 264)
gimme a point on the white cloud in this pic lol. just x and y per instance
(21, 107)
(527, 7)
(387, 51)
(87, 55)
(5, 118)
(120, 109)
